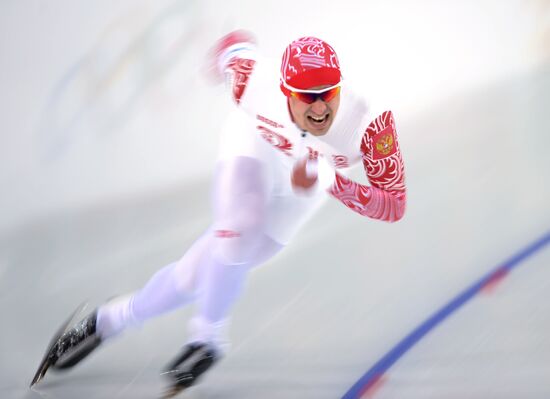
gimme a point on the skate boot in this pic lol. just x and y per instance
(76, 344)
(70, 346)
(188, 366)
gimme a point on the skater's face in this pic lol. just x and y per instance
(315, 117)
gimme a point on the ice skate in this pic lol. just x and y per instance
(70, 345)
(185, 369)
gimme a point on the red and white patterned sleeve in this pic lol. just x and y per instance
(233, 57)
(385, 198)
(240, 70)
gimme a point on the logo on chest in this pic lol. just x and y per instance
(277, 140)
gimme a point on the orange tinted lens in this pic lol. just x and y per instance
(328, 95)
(308, 98)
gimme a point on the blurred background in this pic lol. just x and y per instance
(108, 141)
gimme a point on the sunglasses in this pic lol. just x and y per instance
(310, 96)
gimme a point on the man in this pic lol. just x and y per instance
(281, 155)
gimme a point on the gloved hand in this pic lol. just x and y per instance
(220, 54)
(304, 176)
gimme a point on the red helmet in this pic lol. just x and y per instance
(309, 62)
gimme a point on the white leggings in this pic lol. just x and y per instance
(213, 270)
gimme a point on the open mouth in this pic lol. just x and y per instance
(318, 120)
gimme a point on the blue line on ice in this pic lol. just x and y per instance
(379, 368)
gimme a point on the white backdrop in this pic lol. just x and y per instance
(104, 100)
(107, 142)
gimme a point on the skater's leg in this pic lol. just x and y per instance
(240, 204)
(224, 282)
(220, 287)
(239, 243)
(171, 287)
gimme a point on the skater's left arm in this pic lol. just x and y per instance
(385, 198)
(233, 58)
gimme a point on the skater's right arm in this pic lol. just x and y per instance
(233, 58)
